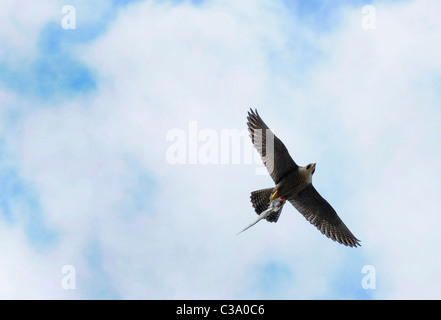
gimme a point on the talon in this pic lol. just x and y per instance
(274, 195)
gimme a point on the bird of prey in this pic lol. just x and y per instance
(293, 183)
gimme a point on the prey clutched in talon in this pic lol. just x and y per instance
(275, 207)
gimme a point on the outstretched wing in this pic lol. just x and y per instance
(320, 213)
(274, 154)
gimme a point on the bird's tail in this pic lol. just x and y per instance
(261, 200)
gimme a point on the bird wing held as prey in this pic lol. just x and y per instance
(274, 154)
(275, 206)
(320, 213)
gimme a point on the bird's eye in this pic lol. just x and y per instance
(308, 166)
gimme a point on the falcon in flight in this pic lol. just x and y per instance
(293, 183)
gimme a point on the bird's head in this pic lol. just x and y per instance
(310, 168)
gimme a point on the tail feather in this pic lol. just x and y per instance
(261, 200)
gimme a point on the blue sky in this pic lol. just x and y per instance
(85, 180)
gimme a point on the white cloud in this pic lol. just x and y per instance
(383, 86)
(160, 66)
(22, 22)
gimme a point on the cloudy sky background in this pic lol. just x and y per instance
(85, 181)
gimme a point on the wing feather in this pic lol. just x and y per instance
(320, 213)
(274, 154)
